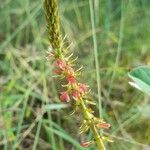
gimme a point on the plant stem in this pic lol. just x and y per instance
(118, 55)
(96, 134)
(96, 58)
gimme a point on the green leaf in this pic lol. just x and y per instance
(54, 106)
(141, 78)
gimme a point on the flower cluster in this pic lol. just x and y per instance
(76, 91)
(64, 68)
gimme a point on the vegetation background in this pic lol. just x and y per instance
(27, 87)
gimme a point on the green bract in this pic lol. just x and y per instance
(141, 78)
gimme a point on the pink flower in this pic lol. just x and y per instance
(61, 64)
(75, 94)
(71, 79)
(64, 97)
(104, 125)
(83, 88)
(86, 144)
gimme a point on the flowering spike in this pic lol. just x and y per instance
(64, 64)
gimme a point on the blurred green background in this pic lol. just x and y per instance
(27, 87)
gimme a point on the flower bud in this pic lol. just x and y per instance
(86, 143)
(71, 79)
(83, 88)
(61, 64)
(64, 97)
(75, 94)
(104, 125)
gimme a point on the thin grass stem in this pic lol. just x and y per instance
(96, 57)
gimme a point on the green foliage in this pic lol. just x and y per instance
(141, 78)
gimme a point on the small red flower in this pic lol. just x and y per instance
(104, 125)
(71, 79)
(86, 144)
(76, 94)
(83, 88)
(64, 97)
(61, 64)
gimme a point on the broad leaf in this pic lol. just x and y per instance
(141, 78)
